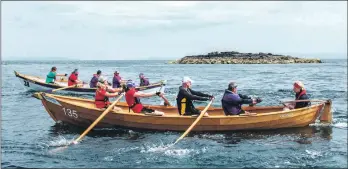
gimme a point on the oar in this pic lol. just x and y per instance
(195, 122)
(98, 119)
(51, 91)
(293, 101)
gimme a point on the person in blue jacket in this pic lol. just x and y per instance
(232, 101)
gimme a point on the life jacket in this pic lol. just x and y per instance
(301, 104)
(185, 105)
(144, 82)
(116, 82)
(303, 92)
(133, 102)
(101, 101)
(50, 78)
(72, 81)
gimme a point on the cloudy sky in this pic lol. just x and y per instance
(170, 30)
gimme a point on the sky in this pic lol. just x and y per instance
(136, 30)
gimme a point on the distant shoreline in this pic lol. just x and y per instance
(234, 57)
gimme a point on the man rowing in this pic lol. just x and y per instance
(94, 80)
(185, 97)
(232, 101)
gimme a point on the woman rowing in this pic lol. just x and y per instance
(51, 76)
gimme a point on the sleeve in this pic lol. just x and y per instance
(192, 97)
(199, 93)
(235, 100)
(94, 79)
(244, 96)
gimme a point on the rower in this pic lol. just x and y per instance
(232, 102)
(116, 81)
(143, 81)
(185, 97)
(104, 81)
(133, 101)
(301, 94)
(102, 97)
(51, 76)
(73, 78)
(94, 80)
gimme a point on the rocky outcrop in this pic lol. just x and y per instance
(242, 58)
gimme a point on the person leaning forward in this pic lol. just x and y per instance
(185, 97)
(102, 97)
(232, 102)
(51, 76)
(133, 101)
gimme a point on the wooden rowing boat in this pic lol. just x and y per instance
(35, 83)
(82, 112)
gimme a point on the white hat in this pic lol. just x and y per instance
(102, 79)
(186, 79)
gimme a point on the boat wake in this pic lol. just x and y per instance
(170, 150)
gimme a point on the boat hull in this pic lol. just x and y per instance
(81, 112)
(33, 83)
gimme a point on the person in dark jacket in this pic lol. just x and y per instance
(94, 80)
(301, 94)
(117, 79)
(185, 97)
(143, 81)
(232, 102)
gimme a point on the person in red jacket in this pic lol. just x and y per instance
(133, 101)
(102, 97)
(73, 78)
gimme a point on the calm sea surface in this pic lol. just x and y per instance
(30, 137)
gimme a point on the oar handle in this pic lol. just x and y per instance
(98, 119)
(195, 122)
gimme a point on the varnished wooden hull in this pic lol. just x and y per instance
(82, 112)
(38, 84)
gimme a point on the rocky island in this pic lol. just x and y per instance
(234, 57)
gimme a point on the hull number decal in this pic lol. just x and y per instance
(26, 83)
(70, 113)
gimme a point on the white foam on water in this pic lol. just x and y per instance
(60, 142)
(313, 153)
(340, 125)
(108, 158)
(170, 150)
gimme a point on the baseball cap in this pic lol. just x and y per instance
(187, 79)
